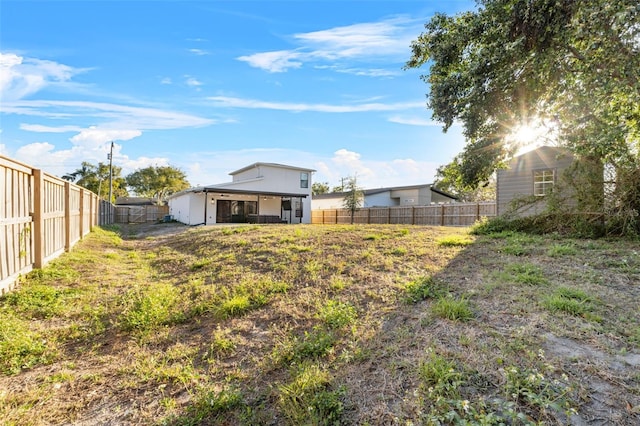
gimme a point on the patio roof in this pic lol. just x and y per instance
(219, 190)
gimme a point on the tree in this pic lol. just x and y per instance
(449, 180)
(319, 188)
(96, 179)
(570, 65)
(354, 197)
(157, 182)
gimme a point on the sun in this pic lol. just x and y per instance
(528, 136)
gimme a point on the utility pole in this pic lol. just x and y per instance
(110, 156)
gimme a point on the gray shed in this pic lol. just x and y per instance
(533, 173)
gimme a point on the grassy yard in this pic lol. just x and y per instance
(317, 325)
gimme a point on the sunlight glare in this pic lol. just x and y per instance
(529, 136)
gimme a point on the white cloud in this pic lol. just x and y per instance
(413, 121)
(199, 52)
(192, 81)
(96, 136)
(302, 107)
(373, 72)
(112, 116)
(387, 37)
(59, 162)
(35, 150)
(49, 129)
(21, 77)
(388, 40)
(166, 80)
(279, 61)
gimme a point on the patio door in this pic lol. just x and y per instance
(223, 211)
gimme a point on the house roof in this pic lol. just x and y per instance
(387, 189)
(282, 166)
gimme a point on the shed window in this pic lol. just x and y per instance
(543, 181)
(304, 180)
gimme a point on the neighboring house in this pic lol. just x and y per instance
(415, 195)
(260, 193)
(534, 173)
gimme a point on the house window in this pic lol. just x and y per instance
(543, 181)
(304, 180)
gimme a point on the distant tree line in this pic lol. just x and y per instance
(157, 182)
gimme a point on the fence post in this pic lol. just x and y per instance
(478, 211)
(441, 214)
(38, 218)
(413, 215)
(81, 213)
(67, 216)
(369, 216)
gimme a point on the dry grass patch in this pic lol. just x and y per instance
(343, 324)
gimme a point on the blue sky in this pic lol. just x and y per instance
(212, 86)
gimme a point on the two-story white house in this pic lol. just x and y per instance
(258, 193)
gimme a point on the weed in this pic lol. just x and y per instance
(422, 288)
(200, 263)
(635, 336)
(558, 250)
(234, 306)
(150, 307)
(307, 399)
(21, 348)
(399, 251)
(531, 387)
(572, 301)
(55, 272)
(221, 343)
(515, 249)
(210, 407)
(453, 309)
(338, 283)
(527, 273)
(454, 241)
(40, 300)
(337, 314)
(439, 376)
(314, 344)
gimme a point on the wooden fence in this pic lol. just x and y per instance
(454, 214)
(41, 216)
(140, 214)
